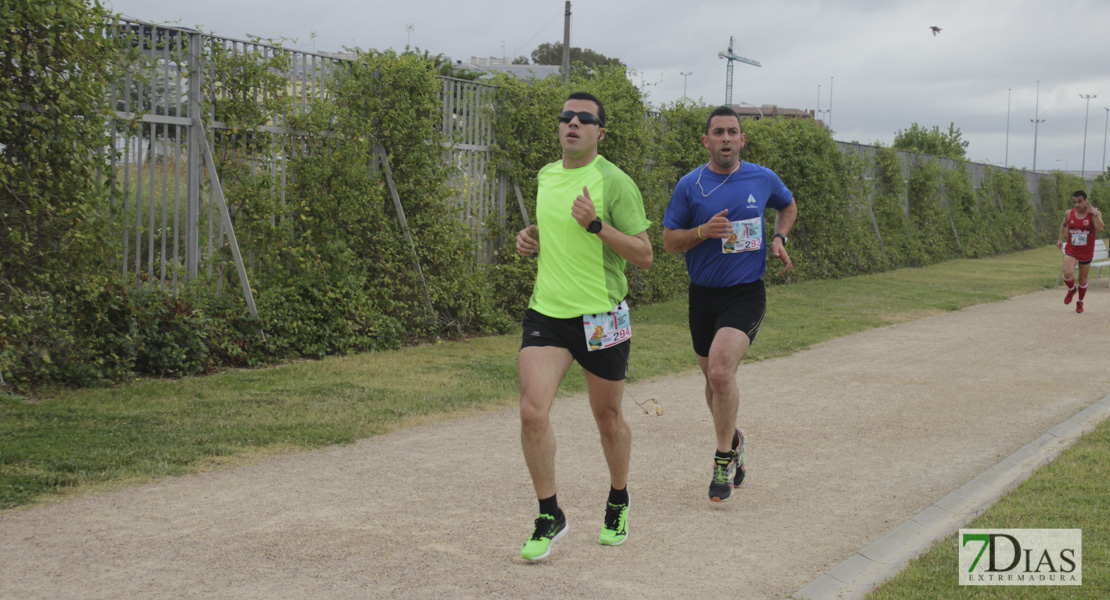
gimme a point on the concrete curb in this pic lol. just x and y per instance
(885, 557)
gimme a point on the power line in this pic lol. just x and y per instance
(525, 46)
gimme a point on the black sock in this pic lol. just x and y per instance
(618, 496)
(724, 454)
(736, 440)
(550, 506)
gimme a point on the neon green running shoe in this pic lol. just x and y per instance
(615, 529)
(547, 531)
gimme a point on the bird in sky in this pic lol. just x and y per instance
(935, 29)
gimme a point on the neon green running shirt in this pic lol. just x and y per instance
(578, 274)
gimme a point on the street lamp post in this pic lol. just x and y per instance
(1087, 113)
(684, 76)
(755, 107)
(1065, 161)
(1006, 161)
(1105, 128)
(1036, 122)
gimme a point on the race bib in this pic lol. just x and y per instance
(1079, 238)
(604, 330)
(746, 236)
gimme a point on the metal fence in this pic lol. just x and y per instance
(167, 200)
(477, 196)
(976, 171)
(167, 208)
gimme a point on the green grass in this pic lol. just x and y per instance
(70, 441)
(1072, 492)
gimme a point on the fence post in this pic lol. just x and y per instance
(193, 164)
(380, 152)
(228, 228)
(520, 203)
(502, 195)
(878, 234)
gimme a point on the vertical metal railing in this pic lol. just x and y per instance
(468, 109)
(193, 165)
(164, 205)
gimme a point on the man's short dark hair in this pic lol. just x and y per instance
(591, 98)
(1080, 194)
(722, 111)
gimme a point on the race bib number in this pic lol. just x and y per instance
(1079, 238)
(604, 330)
(746, 236)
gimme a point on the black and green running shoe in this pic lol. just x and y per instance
(615, 529)
(741, 471)
(547, 531)
(724, 470)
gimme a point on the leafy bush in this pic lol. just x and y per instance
(831, 237)
(359, 254)
(59, 311)
(84, 335)
(931, 233)
(325, 309)
(170, 334)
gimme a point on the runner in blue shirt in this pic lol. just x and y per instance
(716, 216)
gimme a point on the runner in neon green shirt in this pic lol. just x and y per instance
(589, 221)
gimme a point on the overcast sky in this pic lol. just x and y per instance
(874, 64)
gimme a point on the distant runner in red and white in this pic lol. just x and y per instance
(1081, 226)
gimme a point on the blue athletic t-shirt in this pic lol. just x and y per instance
(746, 194)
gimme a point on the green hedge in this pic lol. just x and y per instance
(58, 304)
(333, 270)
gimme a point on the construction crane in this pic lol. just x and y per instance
(731, 57)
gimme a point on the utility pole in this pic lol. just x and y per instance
(1036, 122)
(566, 45)
(1105, 129)
(731, 57)
(829, 113)
(1086, 114)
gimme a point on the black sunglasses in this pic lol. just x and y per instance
(584, 118)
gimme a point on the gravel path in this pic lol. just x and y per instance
(847, 440)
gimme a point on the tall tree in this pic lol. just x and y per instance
(552, 54)
(933, 141)
(442, 65)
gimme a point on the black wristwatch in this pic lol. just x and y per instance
(595, 226)
(781, 236)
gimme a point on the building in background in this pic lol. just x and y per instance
(772, 110)
(488, 66)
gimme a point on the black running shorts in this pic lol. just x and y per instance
(740, 307)
(542, 330)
